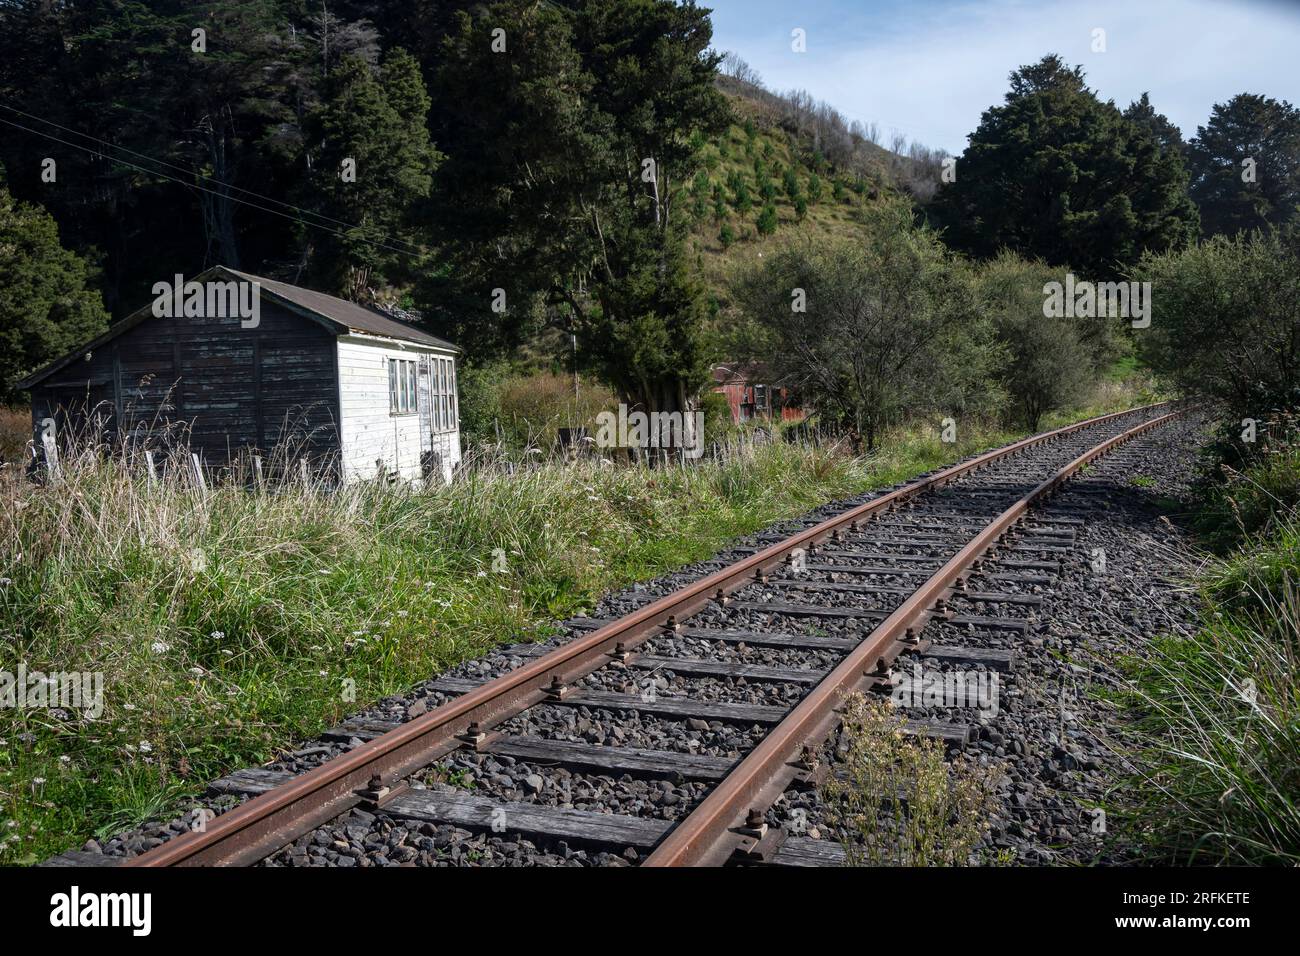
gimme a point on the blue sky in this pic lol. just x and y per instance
(929, 68)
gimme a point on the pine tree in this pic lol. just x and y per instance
(1246, 165)
(1054, 173)
(374, 160)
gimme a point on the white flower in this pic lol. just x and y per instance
(324, 673)
(218, 635)
(481, 574)
(146, 747)
(160, 647)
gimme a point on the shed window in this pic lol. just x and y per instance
(443, 382)
(402, 387)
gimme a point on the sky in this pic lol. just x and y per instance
(929, 68)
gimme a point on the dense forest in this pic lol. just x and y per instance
(591, 171)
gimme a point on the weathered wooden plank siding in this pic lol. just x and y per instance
(229, 387)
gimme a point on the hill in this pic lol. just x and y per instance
(788, 163)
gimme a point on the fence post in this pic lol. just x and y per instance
(51, 448)
(306, 476)
(257, 471)
(150, 467)
(199, 479)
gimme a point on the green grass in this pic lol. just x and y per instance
(1217, 712)
(228, 627)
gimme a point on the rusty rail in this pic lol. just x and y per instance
(727, 821)
(265, 823)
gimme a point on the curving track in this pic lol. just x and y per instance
(946, 567)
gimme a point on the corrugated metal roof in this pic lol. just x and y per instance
(357, 318)
(341, 315)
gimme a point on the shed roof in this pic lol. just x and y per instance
(338, 315)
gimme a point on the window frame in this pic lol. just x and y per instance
(403, 387)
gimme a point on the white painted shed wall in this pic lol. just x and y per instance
(368, 432)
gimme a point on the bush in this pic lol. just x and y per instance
(1225, 321)
(890, 331)
(1049, 362)
(791, 183)
(899, 803)
(534, 407)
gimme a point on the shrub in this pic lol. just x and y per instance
(791, 183)
(899, 803)
(890, 330)
(1225, 318)
(534, 407)
(1049, 362)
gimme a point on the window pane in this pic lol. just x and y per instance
(451, 395)
(442, 391)
(392, 386)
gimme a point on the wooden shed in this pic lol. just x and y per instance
(753, 395)
(356, 391)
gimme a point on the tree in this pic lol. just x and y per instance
(1245, 165)
(374, 161)
(568, 150)
(45, 307)
(1226, 321)
(889, 327)
(1048, 362)
(1165, 133)
(1056, 174)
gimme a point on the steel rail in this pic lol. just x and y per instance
(260, 826)
(726, 822)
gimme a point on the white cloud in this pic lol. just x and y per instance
(930, 69)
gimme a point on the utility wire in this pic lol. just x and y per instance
(410, 250)
(190, 171)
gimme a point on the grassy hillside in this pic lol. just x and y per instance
(761, 183)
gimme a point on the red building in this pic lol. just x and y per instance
(753, 396)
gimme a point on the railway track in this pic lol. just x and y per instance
(720, 694)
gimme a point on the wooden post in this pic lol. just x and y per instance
(306, 475)
(150, 467)
(257, 470)
(199, 479)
